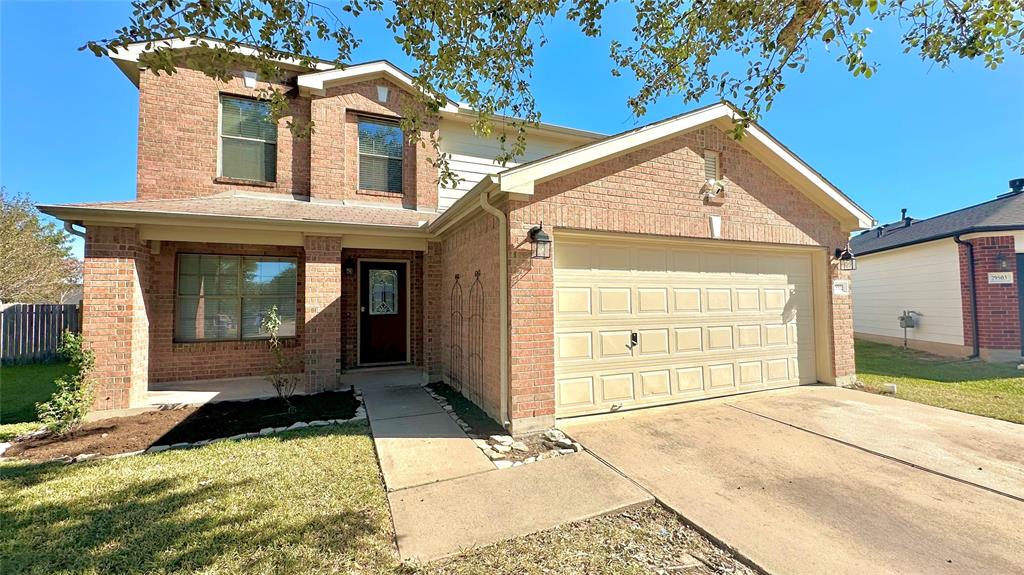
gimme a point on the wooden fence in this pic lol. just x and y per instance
(32, 332)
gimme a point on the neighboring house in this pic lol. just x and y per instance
(924, 266)
(656, 289)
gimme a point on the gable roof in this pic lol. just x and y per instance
(1004, 213)
(521, 179)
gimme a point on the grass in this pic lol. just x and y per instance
(309, 501)
(22, 386)
(988, 389)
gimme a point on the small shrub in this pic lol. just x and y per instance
(64, 412)
(281, 374)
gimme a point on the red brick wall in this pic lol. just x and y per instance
(179, 138)
(335, 148)
(174, 361)
(324, 281)
(653, 191)
(468, 342)
(998, 311)
(350, 303)
(115, 325)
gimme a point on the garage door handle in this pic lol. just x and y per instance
(634, 339)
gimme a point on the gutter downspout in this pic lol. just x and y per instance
(69, 227)
(976, 345)
(502, 300)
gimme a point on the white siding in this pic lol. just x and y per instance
(924, 278)
(473, 157)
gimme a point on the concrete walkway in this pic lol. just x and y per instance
(416, 441)
(447, 496)
(440, 519)
(815, 481)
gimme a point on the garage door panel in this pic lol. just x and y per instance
(707, 322)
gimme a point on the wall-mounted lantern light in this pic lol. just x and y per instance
(350, 267)
(541, 242)
(1002, 263)
(846, 260)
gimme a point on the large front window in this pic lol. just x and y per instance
(380, 156)
(248, 140)
(227, 297)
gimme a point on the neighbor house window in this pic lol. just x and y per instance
(248, 140)
(227, 297)
(380, 155)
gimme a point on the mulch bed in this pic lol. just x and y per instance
(185, 424)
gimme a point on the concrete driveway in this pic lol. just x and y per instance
(826, 480)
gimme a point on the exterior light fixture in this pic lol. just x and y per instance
(1003, 263)
(541, 242)
(350, 267)
(846, 260)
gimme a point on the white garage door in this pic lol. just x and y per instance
(646, 323)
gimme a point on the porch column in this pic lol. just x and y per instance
(844, 364)
(322, 335)
(115, 319)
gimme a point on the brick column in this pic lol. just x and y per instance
(998, 321)
(843, 358)
(322, 335)
(115, 320)
(531, 330)
(433, 303)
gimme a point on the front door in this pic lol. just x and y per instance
(383, 313)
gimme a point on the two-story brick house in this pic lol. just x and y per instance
(684, 264)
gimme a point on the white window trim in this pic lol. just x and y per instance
(221, 136)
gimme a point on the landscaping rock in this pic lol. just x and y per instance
(127, 454)
(181, 445)
(493, 455)
(298, 425)
(553, 435)
(501, 448)
(158, 448)
(529, 460)
(564, 443)
(519, 446)
(279, 429)
(4, 447)
(503, 464)
(266, 431)
(502, 439)
(566, 451)
(319, 423)
(85, 457)
(577, 447)
(482, 444)
(239, 436)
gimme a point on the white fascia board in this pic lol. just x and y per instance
(132, 52)
(863, 219)
(518, 179)
(317, 82)
(468, 114)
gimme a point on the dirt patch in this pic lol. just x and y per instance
(647, 539)
(185, 424)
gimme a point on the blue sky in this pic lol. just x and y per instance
(914, 135)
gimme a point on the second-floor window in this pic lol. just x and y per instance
(248, 140)
(380, 155)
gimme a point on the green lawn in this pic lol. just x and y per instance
(989, 389)
(309, 501)
(304, 502)
(22, 386)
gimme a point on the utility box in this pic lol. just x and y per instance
(908, 319)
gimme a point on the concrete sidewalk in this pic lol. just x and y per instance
(440, 519)
(416, 441)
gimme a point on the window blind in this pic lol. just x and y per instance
(248, 140)
(381, 145)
